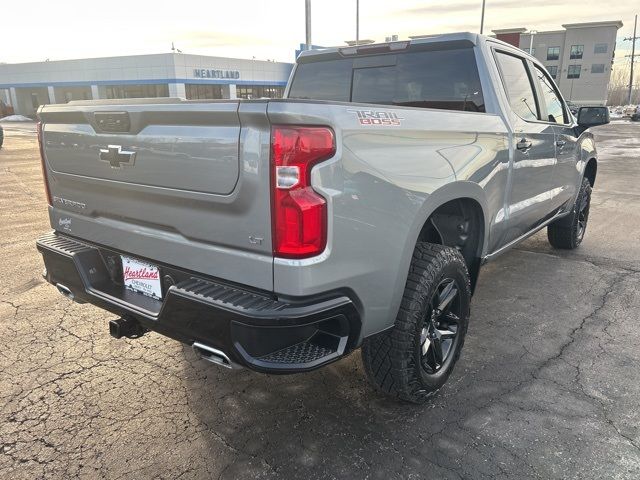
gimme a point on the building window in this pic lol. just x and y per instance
(203, 92)
(597, 68)
(553, 71)
(138, 91)
(532, 52)
(553, 53)
(600, 48)
(259, 91)
(574, 71)
(576, 52)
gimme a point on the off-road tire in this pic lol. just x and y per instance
(568, 232)
(393, 359)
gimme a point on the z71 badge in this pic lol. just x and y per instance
(373, 117)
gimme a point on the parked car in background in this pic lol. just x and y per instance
(1, 136)
(280, 235)
(635, 116)
(573, 108)
(5, 110)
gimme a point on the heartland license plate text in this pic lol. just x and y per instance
(141, 277)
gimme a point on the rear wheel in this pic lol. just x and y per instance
(413, 360)
(568, 232)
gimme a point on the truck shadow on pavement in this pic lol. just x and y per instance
(510, 403)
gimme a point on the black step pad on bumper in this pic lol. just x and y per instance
(254, 328)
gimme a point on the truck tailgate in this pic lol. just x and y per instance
(166, 180)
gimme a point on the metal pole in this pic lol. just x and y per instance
(307, 15)
(531, 45)
(571, 92)
(633, 57)
(531, 33)
(482, 18)
(357, 22)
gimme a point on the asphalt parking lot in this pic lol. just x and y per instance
(548, 385)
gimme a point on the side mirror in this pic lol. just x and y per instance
(592, 116)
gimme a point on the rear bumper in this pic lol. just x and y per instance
(252, 328)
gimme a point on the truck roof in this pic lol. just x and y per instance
(419, 42)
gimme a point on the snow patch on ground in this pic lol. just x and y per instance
(617, 147)
(16, 118)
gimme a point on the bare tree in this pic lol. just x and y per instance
(619, 84)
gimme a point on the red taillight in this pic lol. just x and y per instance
(42, 163)
(299, 214)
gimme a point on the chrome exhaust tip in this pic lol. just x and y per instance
(66, 291)
(213, 355)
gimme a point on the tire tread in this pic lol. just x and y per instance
(388, 357)
(564, 233)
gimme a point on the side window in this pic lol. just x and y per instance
(329, 80)
(518, 86)
(555, 110)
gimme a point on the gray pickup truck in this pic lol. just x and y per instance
(280, 235)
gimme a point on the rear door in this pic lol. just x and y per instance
(531, 194)
(170, 181)
(565, 173)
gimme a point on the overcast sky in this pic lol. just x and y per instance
(34, 30)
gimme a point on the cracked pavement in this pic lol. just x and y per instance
(548, 385)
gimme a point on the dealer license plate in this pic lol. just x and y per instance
(141, 277)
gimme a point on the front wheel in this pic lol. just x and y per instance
(412, 360)
(567, 233)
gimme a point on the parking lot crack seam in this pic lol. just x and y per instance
(598, 262)
(619, 279)
(576, 330)
(603, 407)
(13, 305)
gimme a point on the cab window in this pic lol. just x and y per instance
(555, 109)
(518, 86)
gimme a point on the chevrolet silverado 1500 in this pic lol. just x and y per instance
(282, 234)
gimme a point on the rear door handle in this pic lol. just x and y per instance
(524, 144)
(560, 143)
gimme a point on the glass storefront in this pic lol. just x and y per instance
(259, 91)
(203, 92)
(137, 91)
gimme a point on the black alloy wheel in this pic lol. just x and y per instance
(583, 216)
(440, 328)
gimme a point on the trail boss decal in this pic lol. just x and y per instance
(373, 117)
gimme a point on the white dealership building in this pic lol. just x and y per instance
(25, 86)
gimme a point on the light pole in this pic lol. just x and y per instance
(532, 33)
(482, 18)
(307, 20)
(357, 22)
(571, 91)
(633, 57)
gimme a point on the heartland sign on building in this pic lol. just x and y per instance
(206, 73)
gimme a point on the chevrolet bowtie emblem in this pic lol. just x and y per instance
(116, 156)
